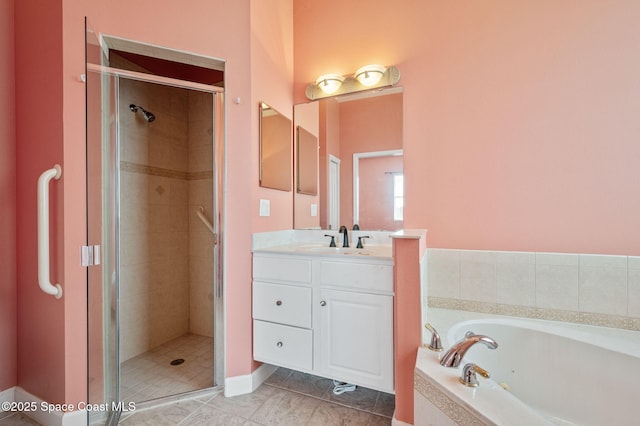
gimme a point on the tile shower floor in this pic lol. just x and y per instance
(150, 375)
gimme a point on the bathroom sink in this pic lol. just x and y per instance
(338, 250)
(374, 250)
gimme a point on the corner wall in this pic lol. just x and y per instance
(39, 145)
(8, 279)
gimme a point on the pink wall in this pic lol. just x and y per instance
(407, 309)
(8, 289)
(520, 119)
(271, 82)
(41, 325)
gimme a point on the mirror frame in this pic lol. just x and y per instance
(284, 144)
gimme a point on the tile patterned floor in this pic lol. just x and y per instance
(287, 398)
(16, 419)
(150, 375)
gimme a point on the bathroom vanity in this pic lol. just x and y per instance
(326, 311)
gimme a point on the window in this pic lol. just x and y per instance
(398, 197)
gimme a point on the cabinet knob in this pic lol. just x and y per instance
(323, 303)
(278, 302)
(279, 344)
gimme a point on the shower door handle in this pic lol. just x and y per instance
(43, 232)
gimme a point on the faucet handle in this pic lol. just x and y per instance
(436, 343)
(333, 240)
(359, 245)
(469, 371)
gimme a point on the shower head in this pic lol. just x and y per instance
(145, 114)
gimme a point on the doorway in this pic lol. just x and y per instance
(155, 151)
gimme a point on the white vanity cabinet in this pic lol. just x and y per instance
(331, 316)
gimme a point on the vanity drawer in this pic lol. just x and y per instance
(284, 304)
(369, 277)
(282, 345)
(281, 268)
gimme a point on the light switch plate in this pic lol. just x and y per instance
(265, 207)
(314, 210)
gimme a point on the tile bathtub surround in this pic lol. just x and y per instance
(593, 289)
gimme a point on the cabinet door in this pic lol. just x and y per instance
(356, 338)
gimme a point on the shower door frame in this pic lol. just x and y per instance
(219, 143)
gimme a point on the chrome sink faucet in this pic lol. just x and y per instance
(454, 355)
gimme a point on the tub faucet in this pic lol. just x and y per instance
(454, 355)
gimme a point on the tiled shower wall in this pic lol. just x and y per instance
(166, 253)
(200, 194)
(582, 288)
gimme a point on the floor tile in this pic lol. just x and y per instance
(286, 408)
(361, 398)
(385, 404)
(307, 384)
(164, 415)
(244, 405)
(16, 419)
(327, 414)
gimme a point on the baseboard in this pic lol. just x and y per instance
(396, 422)
(8, 395)
(43, 415)
(241, 385)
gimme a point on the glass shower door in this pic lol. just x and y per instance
(102, 216)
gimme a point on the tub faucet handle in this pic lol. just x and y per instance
(436, 343)
(469, 371)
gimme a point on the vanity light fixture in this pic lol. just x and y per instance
(329, 83)
(370, 74)
(369, 77)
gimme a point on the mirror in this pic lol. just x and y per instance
(306, 162)
(275, 149)
(360, 175)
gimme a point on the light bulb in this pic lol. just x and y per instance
(329, 83)
(370, 75)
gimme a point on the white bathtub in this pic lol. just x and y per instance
(556, 373)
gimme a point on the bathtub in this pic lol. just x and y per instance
(543, 372)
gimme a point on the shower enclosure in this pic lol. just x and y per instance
(154, 176)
